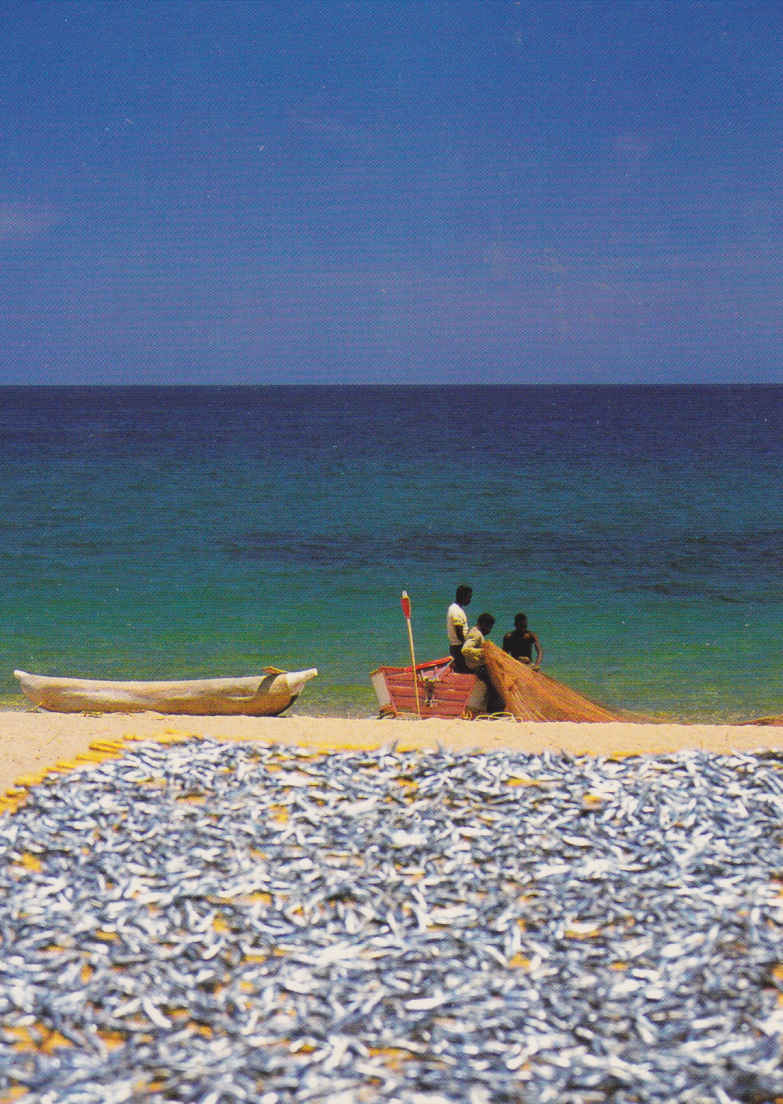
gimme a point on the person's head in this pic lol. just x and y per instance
(520, 621)
(485, 622)
(464, 595)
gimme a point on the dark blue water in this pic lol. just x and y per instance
(152, 532)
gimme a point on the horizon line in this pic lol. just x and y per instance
(451, 385)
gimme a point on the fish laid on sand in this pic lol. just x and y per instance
(213, 921)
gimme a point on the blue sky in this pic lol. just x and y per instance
(366, 191)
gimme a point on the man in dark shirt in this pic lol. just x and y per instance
(520, 643)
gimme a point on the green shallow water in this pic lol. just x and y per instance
(151, 533)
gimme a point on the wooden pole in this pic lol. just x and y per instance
(405, 602)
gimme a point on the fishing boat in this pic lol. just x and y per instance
(264, 695)
(435, 689)
(442, 692)
(528, 694)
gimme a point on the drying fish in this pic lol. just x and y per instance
(238, 922)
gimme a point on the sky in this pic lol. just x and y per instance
(391, 191)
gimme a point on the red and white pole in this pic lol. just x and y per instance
(405, 602)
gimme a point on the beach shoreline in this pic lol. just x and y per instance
(33, 742)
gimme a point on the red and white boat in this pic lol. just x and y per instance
(528, 694)
(441, 691)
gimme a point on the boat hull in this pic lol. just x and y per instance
(442, 692)
(265, 695)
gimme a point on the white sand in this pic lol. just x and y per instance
(33, 741)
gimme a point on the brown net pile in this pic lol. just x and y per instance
(533, 696)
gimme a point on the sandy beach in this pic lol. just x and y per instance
(32, 741)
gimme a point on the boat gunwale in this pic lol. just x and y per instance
(427, 665)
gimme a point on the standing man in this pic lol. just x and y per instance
(457, 626)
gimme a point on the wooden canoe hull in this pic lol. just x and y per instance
(264, 695)
(442, 692)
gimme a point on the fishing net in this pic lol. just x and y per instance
(533, 696)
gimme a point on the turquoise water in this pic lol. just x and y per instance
(153, 532)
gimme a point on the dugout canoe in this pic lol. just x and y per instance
(442, 692)
(264, 695)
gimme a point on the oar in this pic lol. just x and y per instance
(405, 602)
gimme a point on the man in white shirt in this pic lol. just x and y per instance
(457, 625)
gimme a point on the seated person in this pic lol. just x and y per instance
(473, 658)
(520, 643)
